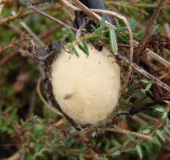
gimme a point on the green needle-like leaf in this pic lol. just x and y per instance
(72, 36)
(139, 151)
(85, 46)
(160, 135)
(113, 40)
(102, 25)
(83, 49)
(75, 51)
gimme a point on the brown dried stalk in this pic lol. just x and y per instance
(123, 131)
(21, 14)
(14, 42)
(146, 37)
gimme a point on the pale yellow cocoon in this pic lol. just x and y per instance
(86, 88)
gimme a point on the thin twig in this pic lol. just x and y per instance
(14, 42)
(22, 14)
(123, 131)
(147, 117)
(138, 119)
(50, 17)
(44, 101)
(27, 28)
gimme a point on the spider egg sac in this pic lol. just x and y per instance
(86, 88)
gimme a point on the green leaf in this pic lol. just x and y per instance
(131, 137)
(121, 29)
(96, 37)
(156, 141)
(117, 23)
(164, 115)
(167, 130)
(75, 51)
(139, 151)
(72, 36)
(148, 87)
(107, 146)
(113, 40)
(146, 131)
(160, 109)
(132, 24)
(158, 132)
(145, 81)
(116, 153)
(85, 46)
(126, 142)
(117, 144)
(94, 28)
(102, 24)
(155, 28)
(83, 49)
(141, 32)
(81, 158)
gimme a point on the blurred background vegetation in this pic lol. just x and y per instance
(28, 129)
